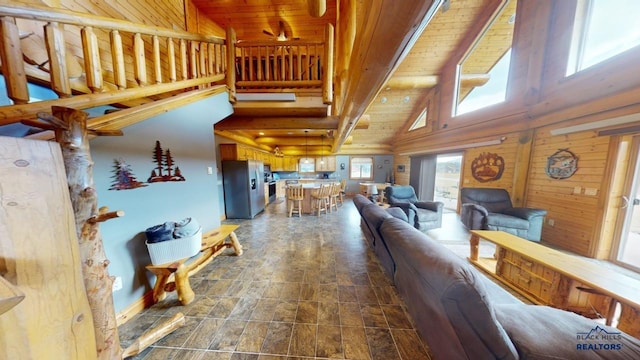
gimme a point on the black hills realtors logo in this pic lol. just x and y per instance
(599, 339)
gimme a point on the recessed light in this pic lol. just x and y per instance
(406, 99)
(261, 133)
(383, 99)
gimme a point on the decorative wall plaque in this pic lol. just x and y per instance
(123, 177)
(562, 164)
(487, 167)
(166, 168)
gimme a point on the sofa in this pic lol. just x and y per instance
(423, 215)
(462, 314)
(491, 209)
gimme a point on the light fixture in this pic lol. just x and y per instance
(620, 120)
(306, 147)
(322, 150)
(497, 141)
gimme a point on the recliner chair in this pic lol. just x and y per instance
(423, 215)
(491, 209)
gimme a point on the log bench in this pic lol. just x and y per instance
(175, 275)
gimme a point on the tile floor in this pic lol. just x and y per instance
(305, 288)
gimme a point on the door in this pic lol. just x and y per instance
(628, 245)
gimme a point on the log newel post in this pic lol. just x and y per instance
(70, 126)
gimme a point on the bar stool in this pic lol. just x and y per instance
(320, 198)
(295, 195)
(334, 196)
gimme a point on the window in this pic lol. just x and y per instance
(307, 165)
(484, 72)
(603, 29)
(420, 122)
(361, 168)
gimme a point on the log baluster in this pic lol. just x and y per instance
(92, 66)
(54, 39)
(230, 64)
(290, 62)
(157, 65)
(139, 62)
(171, 55)
(193, 49)
(267, 63)
(203, 59)
(211, 52)
(117, 56)
(184, 65)
(12, 64)
(327, 78)
(283, 54)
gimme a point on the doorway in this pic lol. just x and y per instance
(627, 251)
(447, 179)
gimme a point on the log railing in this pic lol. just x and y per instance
(265, 65)
(121, 60)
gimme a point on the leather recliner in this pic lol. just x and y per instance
(423, 215)
(491, 209)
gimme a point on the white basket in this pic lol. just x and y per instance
(172, 250)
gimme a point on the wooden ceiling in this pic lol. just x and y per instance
(397, 103)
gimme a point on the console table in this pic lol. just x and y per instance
(550, 277)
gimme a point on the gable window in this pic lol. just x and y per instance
(603, 29)
(420, 122)
(484, 72)
(361, 168)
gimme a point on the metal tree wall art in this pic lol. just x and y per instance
(487, 167)
(123, 178)
(164, 170)
(562, 164)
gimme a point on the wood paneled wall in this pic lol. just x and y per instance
(575, 213)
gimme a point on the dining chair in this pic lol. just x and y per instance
(295, 195)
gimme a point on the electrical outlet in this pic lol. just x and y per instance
(551, 222)
(117, 283)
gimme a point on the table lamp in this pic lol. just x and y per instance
(373, 193)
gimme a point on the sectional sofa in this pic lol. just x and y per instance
(462, 314)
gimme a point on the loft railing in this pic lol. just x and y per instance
(281, 65)
(122, 61)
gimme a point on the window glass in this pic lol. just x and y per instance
(603, 29)
(420, 122)
(361, 168)
(484, 72)
(307, 165)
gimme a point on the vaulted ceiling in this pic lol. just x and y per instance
(392, 107)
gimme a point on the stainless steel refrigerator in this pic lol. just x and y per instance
(243, 182)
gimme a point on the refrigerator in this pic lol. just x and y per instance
(243, 182)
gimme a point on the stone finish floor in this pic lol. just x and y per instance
(305, 288)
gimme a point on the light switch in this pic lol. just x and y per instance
(591, 191)
(209, 170)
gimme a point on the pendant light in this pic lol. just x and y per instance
(306, 147)
(322, 150)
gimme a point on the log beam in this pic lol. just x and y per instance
(317, 8)
(429, 81)
(283, 123)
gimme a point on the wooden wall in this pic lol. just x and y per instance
(574, 204)
(542, 98)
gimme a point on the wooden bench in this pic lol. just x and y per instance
(175, 275)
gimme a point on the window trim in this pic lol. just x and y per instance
(351, 161)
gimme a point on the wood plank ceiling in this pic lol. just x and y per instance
(397, 103)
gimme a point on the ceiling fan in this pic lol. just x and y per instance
(282, 35)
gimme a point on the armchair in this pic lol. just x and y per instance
(423, 215)
(491, 209)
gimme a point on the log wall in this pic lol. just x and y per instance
(582, 208)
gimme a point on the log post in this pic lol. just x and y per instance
(79, 166)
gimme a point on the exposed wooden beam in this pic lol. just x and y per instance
(317, 8)
(365, 149)
(266, 123)
(315, 141)
(130, 116)
(241, 139)
(13, 113)
(389, 31)
(303, 106)
(428, 81)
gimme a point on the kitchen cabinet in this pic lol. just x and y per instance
(325, 163)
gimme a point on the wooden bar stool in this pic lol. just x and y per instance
(295, 195)
(320, 198)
